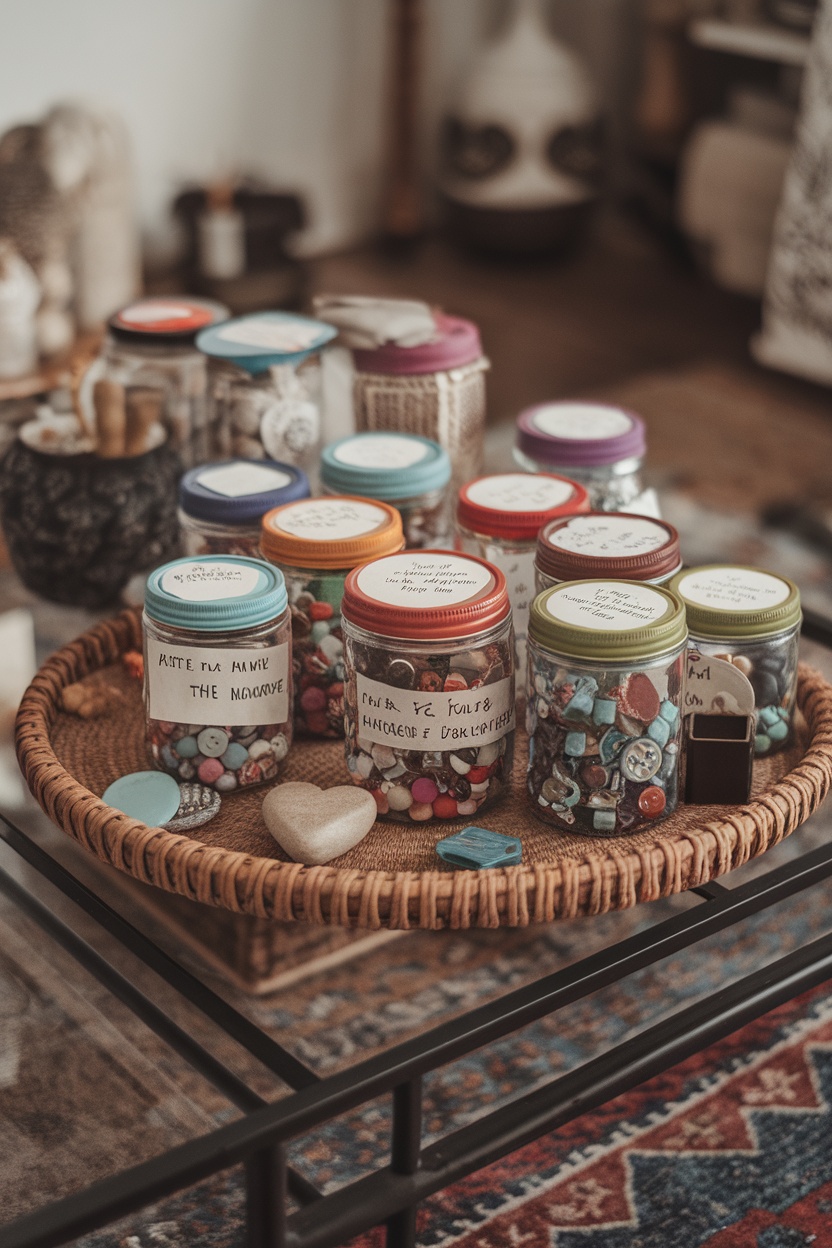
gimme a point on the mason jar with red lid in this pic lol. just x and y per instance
(610, 546)
(430, 684)
(498, 517)
(436, 390)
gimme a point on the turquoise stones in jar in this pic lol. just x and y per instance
(751, 620)
(217, 671)
(604, 709)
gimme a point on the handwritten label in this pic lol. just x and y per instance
(209, 582)
(207, 685)
(714, 686)
(582, 421)
(520, 491)
(733, 589)
(518, 569)
(242, 479)
(415, 579)
(434, 721)
(381, 451)
(285, 336)
(331, 519)
(608, 537)
(606, 605)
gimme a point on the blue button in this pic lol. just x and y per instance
(149, 796)
(476, 848)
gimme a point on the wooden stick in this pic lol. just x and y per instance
(110, 418)
(144, 409)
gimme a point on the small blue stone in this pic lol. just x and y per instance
(762, 743)
(186, 747)
(769, 715)
(603, 712)
(778, 731)
(659, 731)
(579, 706)
(234, 756)
(670, 712)
(575, 744)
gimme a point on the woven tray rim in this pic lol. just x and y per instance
(611, 879)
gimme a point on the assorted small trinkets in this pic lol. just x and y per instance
(478, 849)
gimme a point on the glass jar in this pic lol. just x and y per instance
(610, 546)
(217, 671)
(265, 382)
(498, 518)
(429, 657)
(151, 345)
(600, 446)
(410, 472)
(221, 505)
(315, 543)
(436, 390)
(604, 712)
(750, 619)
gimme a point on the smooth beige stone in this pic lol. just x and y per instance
(315, 825)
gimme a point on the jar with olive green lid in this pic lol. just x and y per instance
(604, 709)
(751, 619)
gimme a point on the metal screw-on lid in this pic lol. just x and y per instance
(620, 621)
(385, 465)
(166, 320)
(513, 505)
(240, 491)
(457, 343)
(724, 601)
(608, 544)
(580, 435)
(261, 340)
(337, 532)
(215, 593)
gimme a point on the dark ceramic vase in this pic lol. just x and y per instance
(78, 527)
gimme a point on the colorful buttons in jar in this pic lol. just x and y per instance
(408, 471)
(429, 657)
(605, 700)
(315, 543)
(217, 671)
(221, 505)
(596, 444)
(750, 619)
(606, 546)
(498, 517)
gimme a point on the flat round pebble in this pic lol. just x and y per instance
(152, 797)
(234, 756)
(186, 747)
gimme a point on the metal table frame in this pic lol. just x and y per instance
(259, 1138)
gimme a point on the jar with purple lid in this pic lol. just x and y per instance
(608, 546)
(221, 505)
(597, 444)
(436, 390)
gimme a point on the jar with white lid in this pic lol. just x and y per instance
(315, 543)
(265, 384)
(221, 506)
(429, 657)
(217, 671)
(151, 345)
(498, 517)
(596, 444)
(605, 700)
(410, 472)
(614, 546)
(751, 619)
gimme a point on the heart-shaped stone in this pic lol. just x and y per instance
(314, 825)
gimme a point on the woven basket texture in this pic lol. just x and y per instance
(393, 878)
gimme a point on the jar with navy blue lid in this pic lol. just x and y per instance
(221, 505)
(218, 671)
(404, 469)
(265, 386)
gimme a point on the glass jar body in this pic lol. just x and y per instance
(450, 755)
(180, 375)
(611, 487)
(203, 537)
(515, 559)
(227, 757)
(317, 648)
(425, 518)
(605, 740)
(275, 414)
(770, 663)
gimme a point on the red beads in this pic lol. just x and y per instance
(652, 801)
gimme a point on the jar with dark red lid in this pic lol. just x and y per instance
(498, 517)
(607, 546)
(430, 684)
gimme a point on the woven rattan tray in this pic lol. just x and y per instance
(394, 877)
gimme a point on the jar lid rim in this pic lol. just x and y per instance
(521, 525)
(261, 598)
(592, 599)
(657, 563)
(727, 622)
(328, 552)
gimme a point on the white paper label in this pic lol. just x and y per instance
(241, 480)
(331, 519)
(381, 451)
(288, 336)
(518, 569)
(520, 491)
(715, 687)
(209, 582)
(645, 504)
(606, 605)
(733, 589)
(208, 685)
(582, 421)
(434, 721)
(148, 313)
(417, 579)
(608, 537)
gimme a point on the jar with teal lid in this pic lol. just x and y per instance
(604, 709)
(265, 386)
(218, 671)
(411, 472)
(750, 619)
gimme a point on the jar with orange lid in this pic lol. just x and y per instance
(498, 517)
(315, 542)
(430, 684)
(610, 546)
